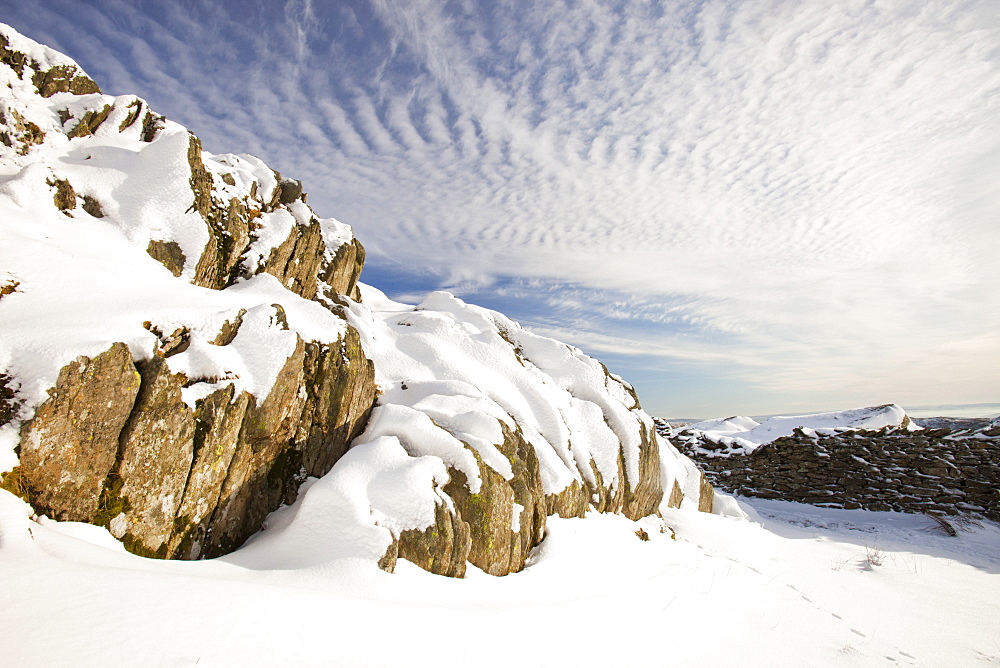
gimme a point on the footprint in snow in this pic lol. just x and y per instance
(797, 591)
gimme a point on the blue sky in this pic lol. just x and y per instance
(741, 207)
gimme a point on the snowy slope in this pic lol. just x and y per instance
(802, 589)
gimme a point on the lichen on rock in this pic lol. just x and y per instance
(169, 254)
(443, 548)
(156, 451)
(71, 444)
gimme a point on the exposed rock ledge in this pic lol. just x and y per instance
(116, 445)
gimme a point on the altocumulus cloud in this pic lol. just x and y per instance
(800, 196)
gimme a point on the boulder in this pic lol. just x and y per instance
(71, 444)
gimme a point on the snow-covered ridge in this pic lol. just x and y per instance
(458, 371)
(740, 434)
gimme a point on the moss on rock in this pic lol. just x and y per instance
(442, 548)
(16, 482)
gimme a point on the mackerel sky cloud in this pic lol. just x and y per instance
(743, 207)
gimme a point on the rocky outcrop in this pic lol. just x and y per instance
(71, 444)
(117, 445)
(296, 261)
(341, 275)
(120, 441)
(169, 254)
(443, 548)
(930, 471)
(18, 132)
(497, 527)
(301, 262)
(90, 122)
(497, 521)
(48, 81)
(339, 397)
(527, 427)
(506, 518)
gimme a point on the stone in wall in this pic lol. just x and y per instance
(929, 471)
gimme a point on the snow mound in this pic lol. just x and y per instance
(453, 373)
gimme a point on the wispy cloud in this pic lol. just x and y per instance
(811, 187)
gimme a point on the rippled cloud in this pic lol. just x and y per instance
(803, 198)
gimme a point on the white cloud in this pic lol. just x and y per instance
(807, 186)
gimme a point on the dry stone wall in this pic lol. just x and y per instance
(931, 471)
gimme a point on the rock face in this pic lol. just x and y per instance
(935, 470)
(185, 344)
(72, 443)
(116, 445)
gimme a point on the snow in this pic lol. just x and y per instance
(453, 373)
(742, 434)
(795, 587)
(375, 492)
(245, 170)
(515, 518)
(421, 437)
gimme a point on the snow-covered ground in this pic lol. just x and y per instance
(797, 586)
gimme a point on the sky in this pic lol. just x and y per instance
(740, 207)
